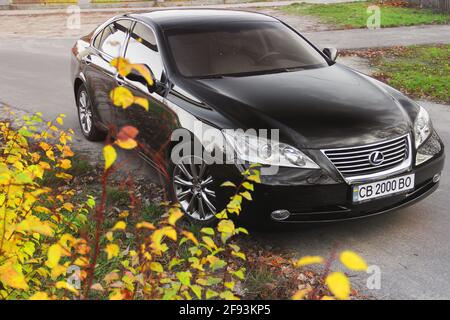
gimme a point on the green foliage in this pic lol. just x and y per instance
(421, 71)
(354, 15)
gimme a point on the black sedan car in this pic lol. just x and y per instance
(347, 145)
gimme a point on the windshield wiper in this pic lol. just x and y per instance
(212, 76)
(249, 73)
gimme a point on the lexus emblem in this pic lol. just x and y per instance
(376, 158)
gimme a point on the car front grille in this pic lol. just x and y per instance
(356, 161)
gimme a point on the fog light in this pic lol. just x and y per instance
(280, 215)
(436, 177)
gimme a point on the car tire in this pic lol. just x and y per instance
(88, 125)
(191, 186)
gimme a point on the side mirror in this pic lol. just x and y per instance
(331, 53)
(137, 77)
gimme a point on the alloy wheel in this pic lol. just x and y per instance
(85, 112)
(193, 184)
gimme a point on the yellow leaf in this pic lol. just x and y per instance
(122, 97)
(39, 296)
(146, 225)
(68, 206)
(81, 262)
(127, 144)
(109, 236)
(143, 70)
(170, 233)
(116, 295)
(53, 255)
(300, 294)
(67, 152)
(307, 260)
(34, 224)
(65, 164)
(254, 178)
(353, 261)
(228, 184)
(246, 195)
(209, 242)
(122, 65)
(63, 175)
(190, 236)
(222, 214)
(41, 209)
(112, 250)
(124, 214)
(65, 285)
(339, 285)
(44, 146)
(142, 102)
(327, 298)
(157, 238)
(44, 165)
(60, 121)
(226, 226)
(50, 154)
(121, 225)
(174, 215)
(11, 275)
(157, 267)
(110, 155)
(248, 186)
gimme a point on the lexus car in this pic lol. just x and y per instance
(347, 145)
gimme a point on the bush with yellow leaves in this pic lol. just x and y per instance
(36, 221)
(40, 229)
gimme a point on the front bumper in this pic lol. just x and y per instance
(324, 202)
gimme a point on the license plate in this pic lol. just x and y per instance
(383, 188)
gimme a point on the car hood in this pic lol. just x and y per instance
(327, 107)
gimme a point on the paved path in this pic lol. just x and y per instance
(364, 38)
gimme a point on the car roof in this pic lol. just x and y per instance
(171, 18)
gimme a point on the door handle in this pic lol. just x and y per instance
(87, 60)
(119, 80)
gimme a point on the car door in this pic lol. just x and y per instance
(100, 75)
(155, 126)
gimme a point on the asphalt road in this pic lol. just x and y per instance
(411, 246)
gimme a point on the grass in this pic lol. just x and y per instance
(354, 15)
(117, 197)
(152, 212)
(420, 71)
(80, 167)
(258, 280)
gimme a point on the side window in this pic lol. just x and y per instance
(113, 38)
(98, 39)
(142, 49)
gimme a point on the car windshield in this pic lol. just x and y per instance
(239, 49)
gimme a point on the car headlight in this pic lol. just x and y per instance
(422, 127)
(255, 149)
